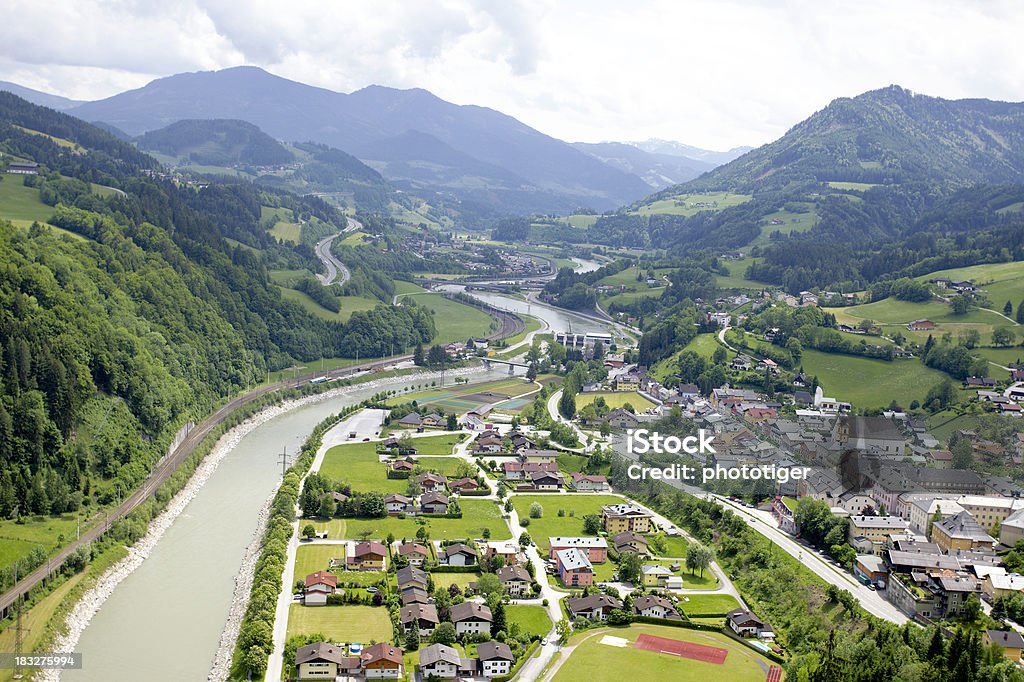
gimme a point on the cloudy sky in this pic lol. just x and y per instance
(713, 73)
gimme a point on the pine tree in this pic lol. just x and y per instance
(936, 647)
(498, 621)
(1020, 313)
(417, 356)
(412, 636)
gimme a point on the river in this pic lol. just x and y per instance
(163, 622)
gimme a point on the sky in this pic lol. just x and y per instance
(711, 73)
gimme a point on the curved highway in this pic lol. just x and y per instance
(336, 270)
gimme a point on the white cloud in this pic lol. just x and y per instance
(716, 73)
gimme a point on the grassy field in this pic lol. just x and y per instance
(464, 397)
(1001, 281)
(675, 546)
(709, 603)
(894, 315)
(442, 444)
(349, 305)
(737, 278)
(870, 383)
(532, 619)
(592, 661)
(703, 345)
(684, 204)
(18, 202)
(341, 624)
(446, 466)
(854, 186)
(313, 558)
(445, 580)
(551, 524)
(786, 222)
(18, 539)
(403, 287)
(476, 515)
(455, 321)
(615, 399)
(358, 465)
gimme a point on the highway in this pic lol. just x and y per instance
(336, 270)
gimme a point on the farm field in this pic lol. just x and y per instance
(462, 398)
(737, 278)
(532, 619)
(358, 465)
(476, 515)
(18, 202)
(17, 540)
(593, 661)
(341, 624)
(456, 322)
(683, 204)
(787, 222)
(551, 524)
(868, 383)
(1001, 281)
(615, 399)
(349, 305)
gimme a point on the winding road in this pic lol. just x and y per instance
(336, 273)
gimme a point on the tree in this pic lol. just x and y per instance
(488, 583)
(963, 454)
(630, 565)
(1003, 336)
(605, 428)
(972, 337)
(591, 524)
(412, 636)
(699, 557)
(418, 357)
(531, 371)
(498, 621)
(327, 507)
(524, 540)
(1008, 309)
(308, 531)
(452, 423)
(371, 506)
(444, 633)
(436, 356)
(719, 356)
(536, 510)
(1020, 313)
(563, 629)
(972, 609)
(960, 305)
(567, 404)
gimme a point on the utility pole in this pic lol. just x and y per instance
(19, 633)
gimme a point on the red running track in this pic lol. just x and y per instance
(673, 647)
(774, 674)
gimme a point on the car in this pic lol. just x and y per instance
(366, 440)
(372, 590)
(544, 642)
(298, 596)
(872, 587)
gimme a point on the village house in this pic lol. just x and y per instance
(628, 541)
(496, 659)
(617, 518)
(431, 482)
(318, 586)
(443, 661)
(593, 607)
(458, 554)
(320, 661)
(653, 606)
(516, 579)
(413, 595)
(368, 556)
(414, 553)
(382, 661)
(1010, 641)
(745, 624)
(398, 504)
(589, 482)
(471, 618)
(547, 481)
(410, 576)
(596, 548)
(870, 534)
(622, 419)
(508, 550)
(653, 575)
(522, 471)
(574, 568)
(463, 485)
(921, 326)
(434, 503)
(960, 532)
(424, 615)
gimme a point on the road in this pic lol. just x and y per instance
(334, 267)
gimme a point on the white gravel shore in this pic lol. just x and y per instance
(87, 607)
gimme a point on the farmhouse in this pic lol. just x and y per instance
(594, 607)
(921, 326)
(368, 556)
(318, 586)
(398, 504)
(471, 618)
(440, 660)
(463, 484)
(515, 579)
(382, 661)
(496, 659)
(431, 482)
(414, 552)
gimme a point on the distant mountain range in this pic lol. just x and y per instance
(416, 140)
(41, 98)
(670, 148)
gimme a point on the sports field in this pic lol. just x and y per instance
(462, 399)
(662, 653)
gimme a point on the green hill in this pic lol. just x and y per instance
(217, 142)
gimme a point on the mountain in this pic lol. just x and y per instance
(554, 175)
(888, 136)
(43, 99)
(657, 170)
(216, 142)
(671, 148)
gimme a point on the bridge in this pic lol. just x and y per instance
(512, 366)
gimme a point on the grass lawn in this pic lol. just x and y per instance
(18, 202)
(357, 464)
(551, 524)
(446, 466)
(894, 315)
(707, 604)
(1001, 281)
(451, 398)
(438, 445)
(703, 345)
(615, 399)
(674, 546)
(341, 623)
(476, 515)
(313, 558)
(445, 580)
(403, 287)
(686, 204)
(568, 463)
(592, 661)
(532, 619)
(455, 321)
(870, 383)
(349, 305)
(18, 539)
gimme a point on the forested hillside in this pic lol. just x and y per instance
(143, 316)
(217, 142)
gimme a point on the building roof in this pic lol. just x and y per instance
(437, 653)
(410, 574)
(397, 497)
(594, 601)
(321, 578)
(510, 573)
(490, 651)
(617, 510)
(874, 428)
(382, 652)
(433, 498)
(963, 526)
(319, 651)
(418, 612)
(903, 560)
(407, 548)
(1008, 639)
(459, 548)
(654, 569)
(744, 617)
(415, 595)
(469, 610)
(647, 601)
(574, 559)
(587, 542)
(370, 547)
(879, 522)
